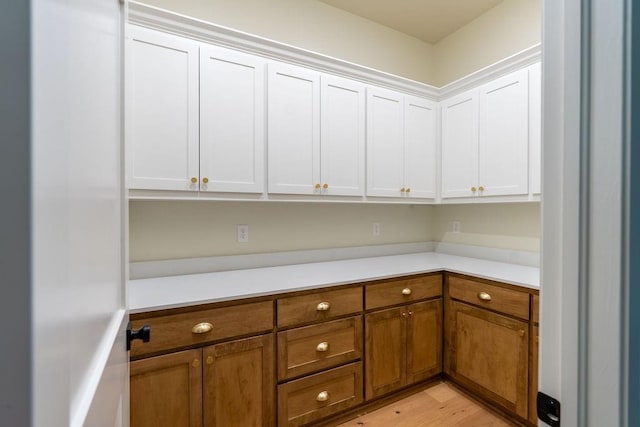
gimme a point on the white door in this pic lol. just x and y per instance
(342, 136)
(419, 147)
(232, 109)
(385, 143)
(161, 111)
(80, 364)
(293, 129)
(503, 156)
(459, 139)
(535, 127)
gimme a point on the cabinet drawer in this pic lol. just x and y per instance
(403, 290)
(503, 300)
(312, 348)
(319, 306)
(175, 331)
(317, 396)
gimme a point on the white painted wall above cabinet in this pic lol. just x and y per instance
(401, 145)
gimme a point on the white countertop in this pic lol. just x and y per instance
(180, 291)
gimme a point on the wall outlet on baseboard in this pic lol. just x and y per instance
(455, 226)
(242, 231)
(376, 229)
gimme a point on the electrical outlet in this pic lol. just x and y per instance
(455, 226)
(376, 229)
(242, 231)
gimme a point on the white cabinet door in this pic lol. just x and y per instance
(385, 146)
(293, 129)
(161, 111)
(232, 108)
(504, 136)
(342, 136)
(419, 147)
(535, 126)
(459, 139)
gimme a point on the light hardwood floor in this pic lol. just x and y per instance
(440, 405)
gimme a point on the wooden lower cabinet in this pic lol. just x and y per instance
(167, 390)
(402, 346)
(533, 375)
(489, 354)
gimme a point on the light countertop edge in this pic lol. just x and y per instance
(163, 293)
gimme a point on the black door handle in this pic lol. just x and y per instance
(143, 334)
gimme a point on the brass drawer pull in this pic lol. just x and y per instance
(323, 306)
(406, 291)
(202, 328)
(521, 332)
(484, 296)
(195, 363)
(323, 346)
(323, 396)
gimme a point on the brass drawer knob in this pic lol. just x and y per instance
(323, 346)
(202, 328)
(402, 190)
(521, 332)
(205, 180)
(209, 360)
(406, 291)
(194, 180)
(195, 363)
(323, 306)
(317, 186)
(323, 396)
(481, 188)
(408, 190)
(484, 296)
(473, 189)
(325, 186)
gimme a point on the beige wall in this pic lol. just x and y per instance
(166, 230)
(318, 27)
(501, 225)
(508, 28)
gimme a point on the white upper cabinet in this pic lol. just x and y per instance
(401, 143)
(504, 136)
(535, 126)
(161, 111)
(232, 115)
(293, 129)
(420, 147)
(342, 137)
(459, 139)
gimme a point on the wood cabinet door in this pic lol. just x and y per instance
(167, 390)
(489, 353)
(533, 375)
(504, 136)
(232, 120)
(342, 136)
(535, 127)
(385, 143)
(293, 129)
(459, 145)
(424, 340)
(385, 350)
(239, 383)
(419, 147)
(161, 104)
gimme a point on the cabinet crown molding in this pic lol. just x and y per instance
(182, 25)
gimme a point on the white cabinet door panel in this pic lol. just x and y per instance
(459, 144)
(535, 126)
(504, 135)
(342, 136)
(420, 147)
(161, 111)
(232, 109)
(385, 151)
(293, 129)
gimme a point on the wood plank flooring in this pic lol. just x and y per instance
(440, 405)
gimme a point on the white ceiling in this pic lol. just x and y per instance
(427, 20)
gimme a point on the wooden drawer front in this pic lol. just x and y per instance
(312, 348)
(503, 300)
(175, 331)
(403, 291)
(302, 401)
(308, 308)
(535, 308)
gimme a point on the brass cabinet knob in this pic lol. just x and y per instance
(209, 360)
(484, 296)
(205, 180)
(406, 291)
(323, 346)
(481, 188)
(195, 363)
(521, 332)
(473, 189)
(194, 179)
(410, 313)
(317, 186)
(325, 186)
(323, 396)
(404, 314)
(408, 190)
(202, 328)
(323, 306)
(402, 190)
